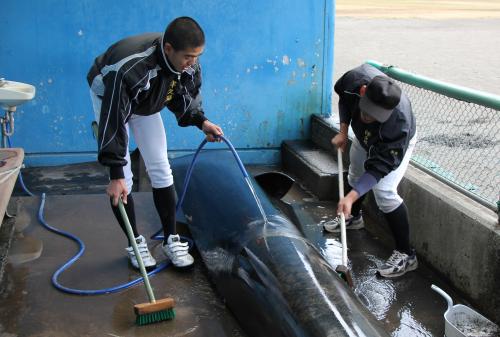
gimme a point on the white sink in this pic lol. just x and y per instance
(13, 93)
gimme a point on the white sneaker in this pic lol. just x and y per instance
(353, 222)
(177, 251)
(148, 260)
(398, 264)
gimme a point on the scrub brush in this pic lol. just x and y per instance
(154, 310)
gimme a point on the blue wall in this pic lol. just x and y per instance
(268, 66)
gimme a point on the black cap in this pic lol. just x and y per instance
(381, 97)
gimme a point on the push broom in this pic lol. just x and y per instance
(155, 310)
(343, 268)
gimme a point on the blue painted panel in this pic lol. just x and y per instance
(267, 67)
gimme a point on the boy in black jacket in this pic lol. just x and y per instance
(382, 120)
(130, 84)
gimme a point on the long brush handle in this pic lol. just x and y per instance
(131, 238)
(341, 173)
(343, 234)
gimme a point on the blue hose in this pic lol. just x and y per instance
(20, 176)
(155, 236)
(77, 256)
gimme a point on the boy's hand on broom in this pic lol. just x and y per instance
(345, 204)
(340, 140)
(117, 188)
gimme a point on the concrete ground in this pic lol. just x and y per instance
(31, 306)
(452, 41)
(426, 9)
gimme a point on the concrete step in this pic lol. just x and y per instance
(315, 167)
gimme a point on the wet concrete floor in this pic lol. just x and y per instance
(406, 306)
(31, 306)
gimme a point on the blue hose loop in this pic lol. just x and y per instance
(80, 243)
(191, 167)
(25, 189)
(156, 235)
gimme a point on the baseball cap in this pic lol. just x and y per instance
(381, 97)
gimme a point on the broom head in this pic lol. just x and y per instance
(161, 310)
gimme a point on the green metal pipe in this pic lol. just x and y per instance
(455, 91)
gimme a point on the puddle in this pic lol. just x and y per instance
(24, 249)
(23, 220)
(376, 293)
(409, 326)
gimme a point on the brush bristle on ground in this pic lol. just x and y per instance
(155, 317)
(147, 313)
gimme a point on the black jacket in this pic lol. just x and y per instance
(386, 143)
(134, 77)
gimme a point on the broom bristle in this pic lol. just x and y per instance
(157, 311)
(155, 317)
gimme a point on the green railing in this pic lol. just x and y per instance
(458, 132)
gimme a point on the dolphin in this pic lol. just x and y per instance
(274, 281)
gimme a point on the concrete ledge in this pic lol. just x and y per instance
(457, 236)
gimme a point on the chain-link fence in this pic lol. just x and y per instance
(458, 141)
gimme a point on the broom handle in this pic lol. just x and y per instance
(343, 234)
(131, 238)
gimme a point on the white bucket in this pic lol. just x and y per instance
(462, 321)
